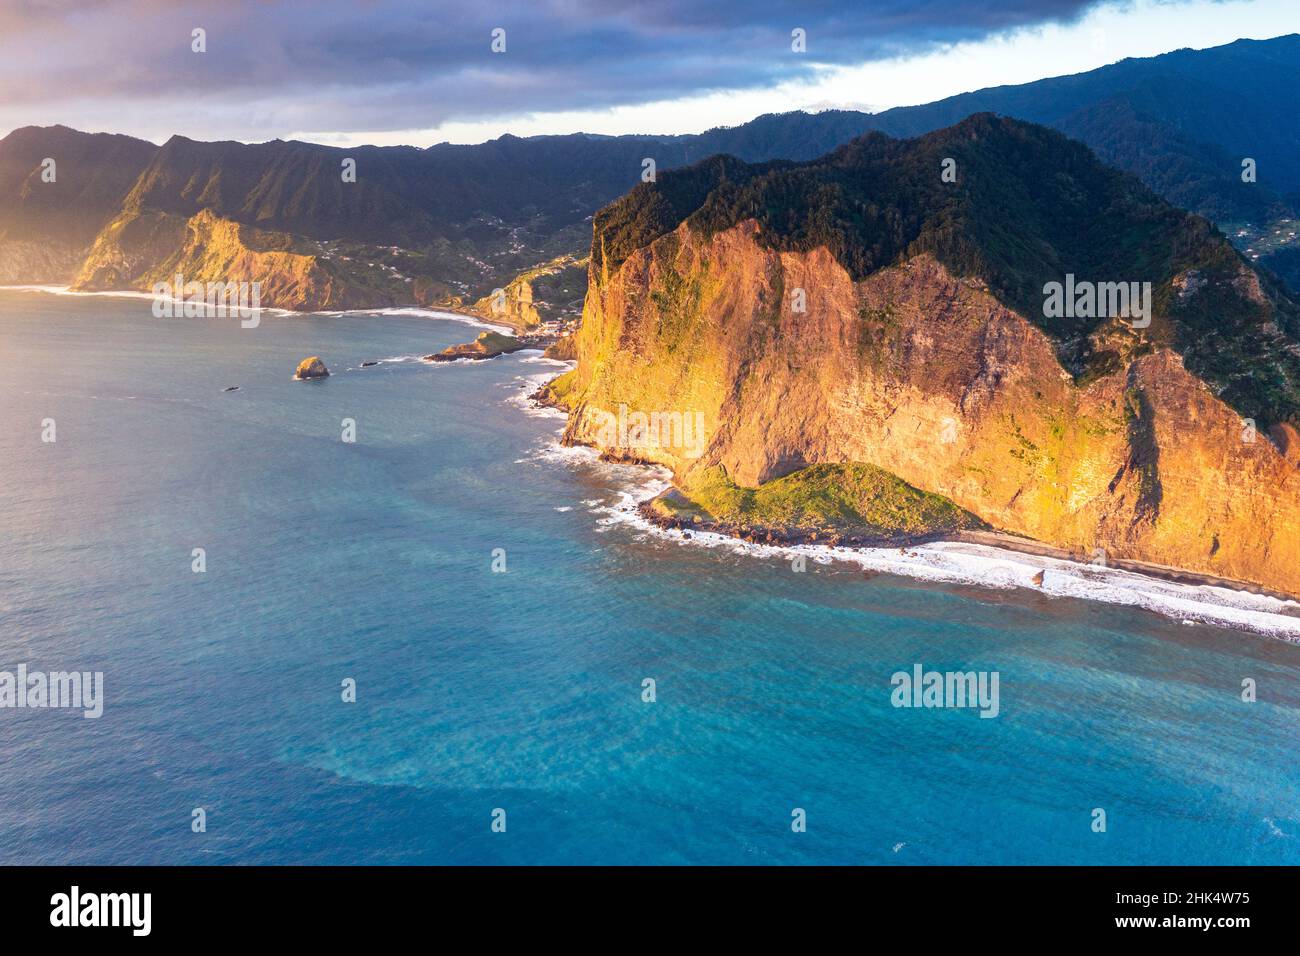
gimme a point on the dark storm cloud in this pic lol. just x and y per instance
(386, 65)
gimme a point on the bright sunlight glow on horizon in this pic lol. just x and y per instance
(1105, 35)
(249, 104)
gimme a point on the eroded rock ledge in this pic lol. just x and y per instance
(487, 345)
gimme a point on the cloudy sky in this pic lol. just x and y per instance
(400, 71)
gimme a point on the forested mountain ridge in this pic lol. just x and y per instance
(459, 221)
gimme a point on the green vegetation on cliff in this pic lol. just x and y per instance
(552, 289)
(849, 500)
(1027, 207)
(487, 345)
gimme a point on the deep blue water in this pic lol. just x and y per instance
(522, 690)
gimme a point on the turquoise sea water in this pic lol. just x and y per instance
(478, 690)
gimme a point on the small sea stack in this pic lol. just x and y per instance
(310, 368)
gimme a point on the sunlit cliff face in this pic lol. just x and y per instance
(931, 378)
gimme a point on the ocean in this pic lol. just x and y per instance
(518, 696)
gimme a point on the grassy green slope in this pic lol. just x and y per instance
(846, 500)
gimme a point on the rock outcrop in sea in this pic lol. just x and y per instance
(310, 368)
(487, 345)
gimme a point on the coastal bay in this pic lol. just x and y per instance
(522, 689)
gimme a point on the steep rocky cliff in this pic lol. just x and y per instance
(920, 350)
(37, 263)
(553, 289)
(58, 188)
(138, 249)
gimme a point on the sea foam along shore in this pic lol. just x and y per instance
(118, 294)
(413, 311)
(941, 562)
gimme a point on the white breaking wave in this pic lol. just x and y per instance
(953, 562)
(413, 311)
(63, 290)
(525, 385)
(130, 294)
(947, 562)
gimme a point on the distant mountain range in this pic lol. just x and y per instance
(447, 224)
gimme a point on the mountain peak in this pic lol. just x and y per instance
(1016, 206)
